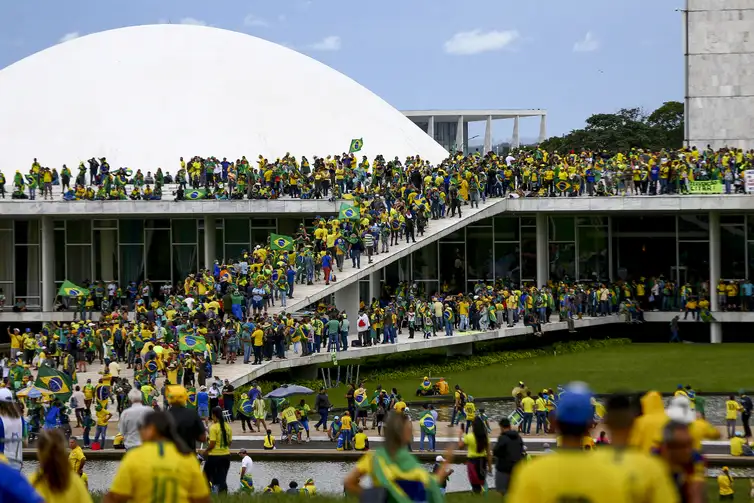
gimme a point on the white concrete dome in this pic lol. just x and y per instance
(144, 96)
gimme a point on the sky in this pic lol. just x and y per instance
(572, 58)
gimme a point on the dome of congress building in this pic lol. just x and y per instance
(144, 96)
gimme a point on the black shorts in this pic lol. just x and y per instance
(362, 413)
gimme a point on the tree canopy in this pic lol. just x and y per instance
(626, 129)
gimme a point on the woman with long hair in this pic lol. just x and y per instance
(217, 454)
(395, 473)
(478, 452)
(55, 480)
(162, 468)
(12, 428)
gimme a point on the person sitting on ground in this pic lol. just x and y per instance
(360, 440)
(739, 446)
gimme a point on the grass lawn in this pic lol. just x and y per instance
(635, 367)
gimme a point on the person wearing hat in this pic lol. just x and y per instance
(725, 485)
(436, 469)
(187, 422)
(560, 476)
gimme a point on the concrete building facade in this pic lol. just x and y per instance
(719, 48)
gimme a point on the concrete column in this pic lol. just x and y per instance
(515, 141)
(431, 127)
(210, 233)
(488, 135)
(543, 261)
(375, 285)
(459, 135)
(48, 264)
(347, 299)
(716, 329)
(542, 128)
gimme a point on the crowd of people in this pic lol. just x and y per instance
(528, 171)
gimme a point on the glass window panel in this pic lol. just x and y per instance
(528, 254)
(219, 244)
(105, 224)
(131, 264)
(27, 232)
(694, 261)
(529, 221)
(6, 225)
(733, 219)
(693, 226)
(397, 272)
(158, 255)
(78, 232)
(732, 252)
(364, 292)
(594, 221)
(6, 256)
(427, 288)
(59, 224)
(201, 248)
(424, 263)
(260, 236)
(561, 229)
(237, 230)
(157, 223)
(645, 224)
(28, 272)
(508, 262)
(184, 262)
(458, 235)
(593, 253)
(639, 256)
(562, 261)
(234, 251)
(106, 255)
(487, 222)
(506, 229)
(79, 263)
(59, 272)
(479, 261)
(452, 268)
(264, 222)
(184, 230)
(288, 226)
(131, 231)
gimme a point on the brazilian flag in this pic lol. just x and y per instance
(279, 242)
(348, 212)
(68, 289)
(189, 342)
(427, 424)
(356, 145)
(55, 381)
(562, 186)
(196, 194)
(191, 404)
(246, 408)
(360, 397)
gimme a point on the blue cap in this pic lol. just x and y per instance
(575, 406)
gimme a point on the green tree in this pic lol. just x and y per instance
(626, 129)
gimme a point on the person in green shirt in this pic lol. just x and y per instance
(303, 410)
(333, 329)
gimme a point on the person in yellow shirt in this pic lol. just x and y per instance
(162, 465)
(527, 405)
(463, 312)
(739, 446)
(646, 433)
(469, 410)
(559, 476)
(701, 430)
(360, 440)
(217, 453)
(258, 340)
(732, 408)
(54, 481)
(725, 485)
(76, 457)
(540, 409)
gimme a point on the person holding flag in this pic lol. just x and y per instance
(428, 426)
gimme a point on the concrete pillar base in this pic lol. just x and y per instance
(716, 333)
(466, 349)
(347, 299)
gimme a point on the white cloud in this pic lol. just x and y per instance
(252, 20)
(193, 21)
(588, 44)
(331, 43)
(69, 36)
(477, 41)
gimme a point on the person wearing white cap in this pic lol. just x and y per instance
(439, 461)
(11, 429)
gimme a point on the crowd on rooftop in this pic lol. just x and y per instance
(526, 172)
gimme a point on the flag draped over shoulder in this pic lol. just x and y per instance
(191, 403)
(68, 289)
(356, 145)
(281, 242)
(190, 342)
(55, 381)
(195, 194)
(348, 212)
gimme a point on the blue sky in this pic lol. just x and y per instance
(572, 58)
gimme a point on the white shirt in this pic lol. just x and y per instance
(247, 463)
(129, 423)
(12, 436)
(362, 324)
(213, 392)
(114, 369)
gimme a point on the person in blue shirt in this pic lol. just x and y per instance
(327, 266)
(15, 488)
(748, 290)
(202, 403)
(291, 277)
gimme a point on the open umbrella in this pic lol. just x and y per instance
(288, 390)
(34, 392)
